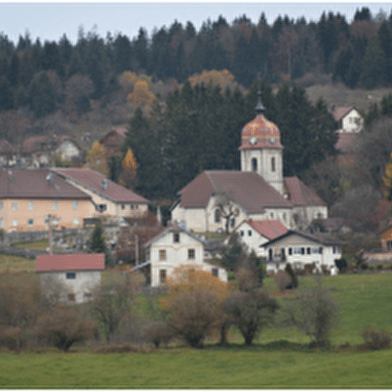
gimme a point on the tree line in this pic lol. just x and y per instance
(358, 54)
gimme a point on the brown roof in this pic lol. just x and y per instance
(301, 195)
(268, 228)
(340, 112)
(118, 132)
(36, 184)
(93, 180)
(346, 142)
(6, 147)
(42, 143)
(70, 262)
(247, 189)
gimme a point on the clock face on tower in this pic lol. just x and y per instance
(272, 140)
(253, 140)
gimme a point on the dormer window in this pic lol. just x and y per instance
(105, 184)
(254, 164)
(273, 164)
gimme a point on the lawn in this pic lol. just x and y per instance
(12, 263)
(279, 359)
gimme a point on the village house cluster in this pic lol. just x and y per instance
(270, 213)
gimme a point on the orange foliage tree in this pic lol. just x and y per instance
(222, 78)
(96, 159)
(141, 94)
(129, 174)
(194, 303)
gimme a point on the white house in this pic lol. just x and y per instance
(72, 277)
(172, 248)
(348, 119)
(298, 249)
(254, 234)
(259, 191)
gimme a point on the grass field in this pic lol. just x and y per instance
(12, 263)
(279, 359)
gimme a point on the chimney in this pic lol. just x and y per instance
(10, 176)
(50, 179)
(105, 184)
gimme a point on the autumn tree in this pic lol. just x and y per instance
(194, 303)
(227, 208)
(129, 165)
(96, 159)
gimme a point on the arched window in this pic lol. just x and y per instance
(273, 164)
(254, 164)
(217, 215)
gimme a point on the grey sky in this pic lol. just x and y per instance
(49, 21)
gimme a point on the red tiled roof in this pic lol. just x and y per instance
(42, 143)
(346, 142)
(270, 229)
(247, 189)
(300, 194)
(340, 112)
(36, 184)
(70, 262)
(265, 132)
(6, 147)
(93, 180)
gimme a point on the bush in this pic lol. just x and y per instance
(376, 340)
(121, 349)
(158, 332)
(294, 279)
(12, 338)
(282, 279)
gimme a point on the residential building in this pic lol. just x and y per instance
(30, 198)
(258, 192)
(7, 153)
(113, 141)
(70, 277)
(348, 119)
(299, 248)
(254, 234)
(109, 198)
(173, 248)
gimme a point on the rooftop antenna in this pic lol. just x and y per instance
(260, 109)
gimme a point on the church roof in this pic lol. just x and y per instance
(260, 133)
(270, 229)
(299, 194)
(247, 189)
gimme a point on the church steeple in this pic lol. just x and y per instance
(260, 109)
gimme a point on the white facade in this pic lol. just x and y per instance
(352, 122)
(298, 250)
(267, 163)
(67, 150)
(304, 215)
(173, 248)
(73, 286)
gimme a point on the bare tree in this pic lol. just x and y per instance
(313, 311)
(227, 207)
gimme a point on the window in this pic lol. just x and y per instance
(254, 164)
(76, 221)
(308, 251)
(249, 233)
(242, 233)
(232, 222)
(290, 251)
(297, 251)
(102, 207)
(71, 275)
(14, 206)
(315, 251)
(191, 254)
(71, 297)
(30, 205)
(321, 250)
(54, 205)
(215, 272)
(273, 164)
(30, 222)
(176, 238)
(75, 205)
(217, 216)
(162, 255)
(15, 222)
(162, 276)
(302, 251)
(123, 206)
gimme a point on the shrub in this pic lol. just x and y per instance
(309, 268)
(282, 279)
(158, 332)
(294, 279)
(376, 340)
(121, 349)
(12, 338)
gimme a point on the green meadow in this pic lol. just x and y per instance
(280, 358)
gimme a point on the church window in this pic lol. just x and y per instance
(254, 164)
(217, 215)
(273, 164)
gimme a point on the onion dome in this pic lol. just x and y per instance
(260, 133)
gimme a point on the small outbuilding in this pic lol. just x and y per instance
(71, 278)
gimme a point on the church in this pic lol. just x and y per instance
(220, 200)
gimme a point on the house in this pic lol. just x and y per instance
(70, 277)
(219, 200)
(109, 198)
(172, 248)
(386, 239)
(299, 248)
(113, 141)
(254, 234)
(7, 153)
(348, 119)
(30, 197)
(37, 151)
